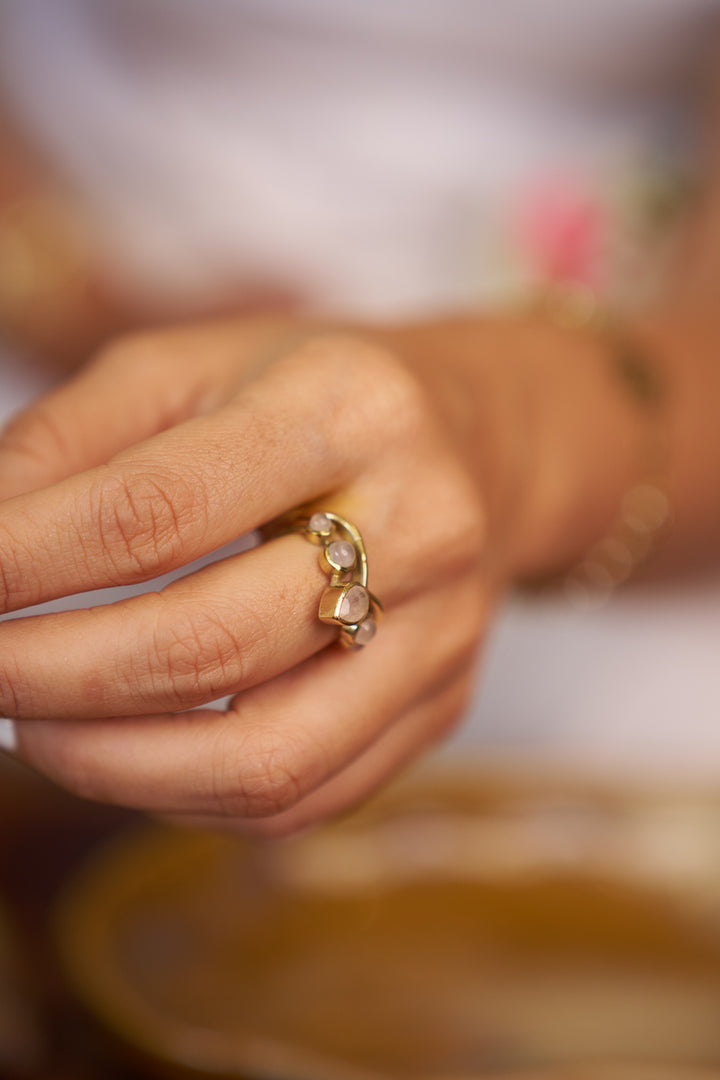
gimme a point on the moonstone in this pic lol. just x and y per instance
(365, 632)
(341, 554)
(354, 605)
(320, 523)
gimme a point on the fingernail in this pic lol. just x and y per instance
(8, 735)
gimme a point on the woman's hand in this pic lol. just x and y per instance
(469, 453)
(167, 448)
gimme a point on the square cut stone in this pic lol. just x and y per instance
(346, 605)
(354, 606)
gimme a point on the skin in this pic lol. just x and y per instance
(311, 728)
(472, 453)
(173, 444)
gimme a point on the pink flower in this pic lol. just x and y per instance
(562, 230)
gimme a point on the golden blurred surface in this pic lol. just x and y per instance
(462, 924)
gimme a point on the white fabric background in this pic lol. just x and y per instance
(365, 153)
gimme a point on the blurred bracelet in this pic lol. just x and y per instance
(645, 509)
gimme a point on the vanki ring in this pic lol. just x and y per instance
(347, 602)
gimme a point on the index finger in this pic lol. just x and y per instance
(300, 432)
(134, 388)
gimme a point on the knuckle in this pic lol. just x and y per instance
(36, 436)
(66, 761)
(200, 655)
(370, 386)
(450, 710)
(143, 520)
(459, 652)
(399, 400)
(464, 649)
(18, 581)
(450, 540)
(76, 776)
(461, 618)
(473, 607)
(459, 523)
(14, 690)
(260, 778)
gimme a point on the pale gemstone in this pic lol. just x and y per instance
(365, 631)
(320, 523)
(341, 554)
(354, 605)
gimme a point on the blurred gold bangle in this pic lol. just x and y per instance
(645, 508)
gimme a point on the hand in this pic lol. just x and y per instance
(170, 446)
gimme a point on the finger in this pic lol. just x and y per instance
(279, 741)
(409, 736)
(136, 387)
(215, 632)
(286, 439)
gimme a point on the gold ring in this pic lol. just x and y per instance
(347, 601)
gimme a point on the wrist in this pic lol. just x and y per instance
(598, 501)
(638, 496)
(538, 416)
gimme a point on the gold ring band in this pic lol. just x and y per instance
(347, 601)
